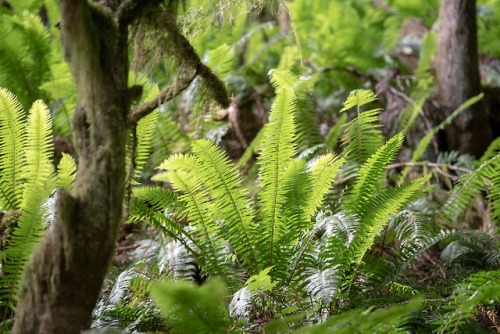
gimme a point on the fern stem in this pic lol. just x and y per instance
(359, 130)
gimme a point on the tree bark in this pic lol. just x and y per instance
(64, 276)
(457, 68)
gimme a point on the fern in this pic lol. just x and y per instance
(24, 50)
(370, 175)
(362, 137)
(468, 187)
(66, 172)
(277, 149)
(40, 181)
(482, 287)
(232, 201)
(306, 121)
(12, 139)
(207, 232)
(158, 206)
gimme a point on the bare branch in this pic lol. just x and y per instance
(430, 164)
(166, 94)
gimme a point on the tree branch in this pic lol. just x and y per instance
(130, 10)
(166, 94)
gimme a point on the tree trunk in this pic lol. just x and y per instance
(458, 76)
(65, 274)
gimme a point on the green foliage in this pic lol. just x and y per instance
(24, 50)
(193, 309)
(28, 178)
(362, 137)
(480, 288)
(468, 187)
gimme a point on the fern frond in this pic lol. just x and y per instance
(411, 226)
(185, 162)
(411, 250)
(322, 284)
(145, 129)
(283, 79)
(492, 150)
(379, 210)
(158, 205)
(480, 288)
(468, 187)
(66, 172)
(277, 149)
(12, 139)
(370, 175)
(38, 170)
(324, 170)
(358, 98)
(25, 54)
(220, 60)
(298, 198)
(25, 237)
(207, 232)
(362, 136)
(306, 120)
(222, 180)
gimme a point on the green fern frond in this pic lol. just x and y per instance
(358, 98)
(468, 187)
(12, 139)
(370, 175)
(66, 172)
(40, 181)
(324, 170)
(200, 213)
(38, 170)
(234, 204)
(141, 145)
(492, 150)
(25, 54)
(220, 60)
(277, 149)
(283, 79)
(186, 162)
(480, 288)
(362, 136)
(145, 129)
(158, 205)
(298, 198)
(305, 117)
(379, 210)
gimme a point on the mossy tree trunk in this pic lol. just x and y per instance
(458, 76)
(65, 274)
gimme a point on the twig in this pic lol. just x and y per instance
(233, 112)
(166, 94)
(429, 164)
